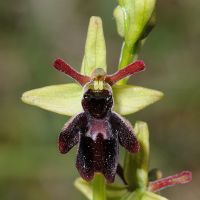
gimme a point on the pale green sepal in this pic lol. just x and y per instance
(119, 16)
(130, 99)
(152, 196)
(84, 187)
(136, 165)
(63, 99)
(95, 48)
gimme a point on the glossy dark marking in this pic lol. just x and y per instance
(97, 103)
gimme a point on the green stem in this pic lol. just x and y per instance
(99, 187)
(128, 55)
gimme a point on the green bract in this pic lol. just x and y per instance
(134, 14)
(134, 23)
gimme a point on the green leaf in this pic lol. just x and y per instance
(63, 99)
(130, 99)
(136, 165)
(95, 48)
(84, 187)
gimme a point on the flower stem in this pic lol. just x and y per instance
(128, 55)
(99, 187)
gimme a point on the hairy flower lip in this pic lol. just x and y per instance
(98, 130)
(99, 155)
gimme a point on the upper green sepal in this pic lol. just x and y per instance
(95, 48)
(65, 99)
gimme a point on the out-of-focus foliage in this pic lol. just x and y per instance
(33, 33)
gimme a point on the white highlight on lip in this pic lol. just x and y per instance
(98, 127)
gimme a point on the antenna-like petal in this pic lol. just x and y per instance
(127, 71)
(60, 65)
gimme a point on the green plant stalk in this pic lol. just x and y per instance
(99, 187)
(129, 53)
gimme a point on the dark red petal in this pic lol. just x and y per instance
(67, 69)
(181, 178)
(69, 135)
(84, 162)
(125, 133)
(127, 71)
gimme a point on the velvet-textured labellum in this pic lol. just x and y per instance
(98, 129)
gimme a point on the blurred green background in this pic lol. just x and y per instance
(34, 32)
